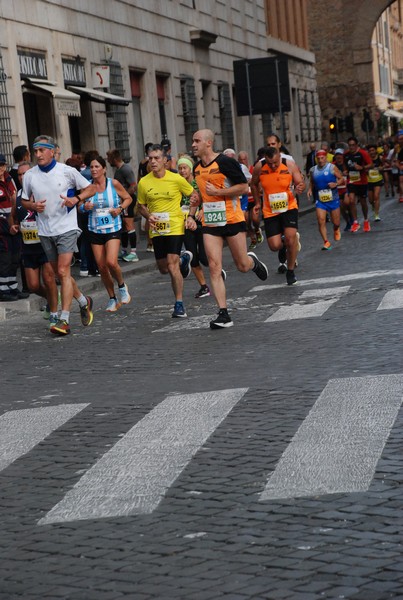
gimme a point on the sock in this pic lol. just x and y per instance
(121, 286)
(133, 240)
(53, 315)
(125, 240)
(82, 300)
(65, 316)
(223, 311)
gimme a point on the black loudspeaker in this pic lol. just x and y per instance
(264, 81)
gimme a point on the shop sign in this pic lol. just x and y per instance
(70, 108)
(32, 64)
(73, 72)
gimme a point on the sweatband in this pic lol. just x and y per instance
(185, 161)
(44, 145)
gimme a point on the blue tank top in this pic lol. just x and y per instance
(321, 179)
(100, 219)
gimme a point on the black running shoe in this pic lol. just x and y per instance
(223, 320)
(290, 276)
(260, 268)
(282, 268)
(282, 255)
(203, 292)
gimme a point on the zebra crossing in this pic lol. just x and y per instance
(335, 450)
(312, 303)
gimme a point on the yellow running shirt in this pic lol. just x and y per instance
(163, 196)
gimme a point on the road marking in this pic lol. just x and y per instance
(392, 299)
(337, 447)
(21, 430)
(325, 280)
(323, 292)
(301, 311)
(134, 475)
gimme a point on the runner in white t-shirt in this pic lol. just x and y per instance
(50, 189)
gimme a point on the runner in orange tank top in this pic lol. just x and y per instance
(280, 208)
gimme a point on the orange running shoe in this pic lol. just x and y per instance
(327, 246)
(355, 227)
(337, 235)
(367, 226)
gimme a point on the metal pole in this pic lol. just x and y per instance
(280, 110)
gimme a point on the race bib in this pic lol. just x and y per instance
(215, 214)
(374, 175)
(278, 202)
(325, 195)
(354, 176)
(162, 226)
(185, 209)
(103, 218)
(29, 230)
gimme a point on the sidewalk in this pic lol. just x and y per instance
(90, 285)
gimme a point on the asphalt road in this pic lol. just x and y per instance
(152, 458)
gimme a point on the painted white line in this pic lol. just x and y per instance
(134, 475)
(323, 292)
(331, 280)
(337, 447)
(201, 322)
(392, 299)
(21, 430)
(301, 311)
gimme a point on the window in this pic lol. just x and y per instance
(116, 114)
(188, 95)
(161, 105)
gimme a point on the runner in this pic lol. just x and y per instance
(194, 238)
(339, 162)
(221, 182)
(358, 163)
(159, 201)
(375, 181)
(53, 186)
(105, 211)
(280, 208)
(38, 270)
(324, 178)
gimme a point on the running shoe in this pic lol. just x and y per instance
(124, 295)
(367, 226)
(61, 327)
(260, 268)
(259, 236)
(222, 320)
(337, 234)
(252, 245)
(282, 255)
(290, 277)
(179, 311)
(298, 242)
(282, 268)
(83, 273)
(327, 246)
(355, 227)
(46, 312)
(131, 257)
(122, 254)
(377, 218)
(401, 199)
(113, 305)
(52, 321)
(86, 312)
(203, 292)
(348, 226)
(224, 275)
(150, 248)
(185, 260)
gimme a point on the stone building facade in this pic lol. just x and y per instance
(119, 73)
(340, 34)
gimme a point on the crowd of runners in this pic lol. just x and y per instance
(190, 208)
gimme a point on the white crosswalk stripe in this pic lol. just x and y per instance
(313, 309)
(134, 475)
(337, 447)
(21, 430)
(392, 299)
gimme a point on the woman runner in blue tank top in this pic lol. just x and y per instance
(105, 229)
(324, 179)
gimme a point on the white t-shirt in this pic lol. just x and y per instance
(56, 219)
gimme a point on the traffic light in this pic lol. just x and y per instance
(333, 125)
(341, 125)
(349, 123)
